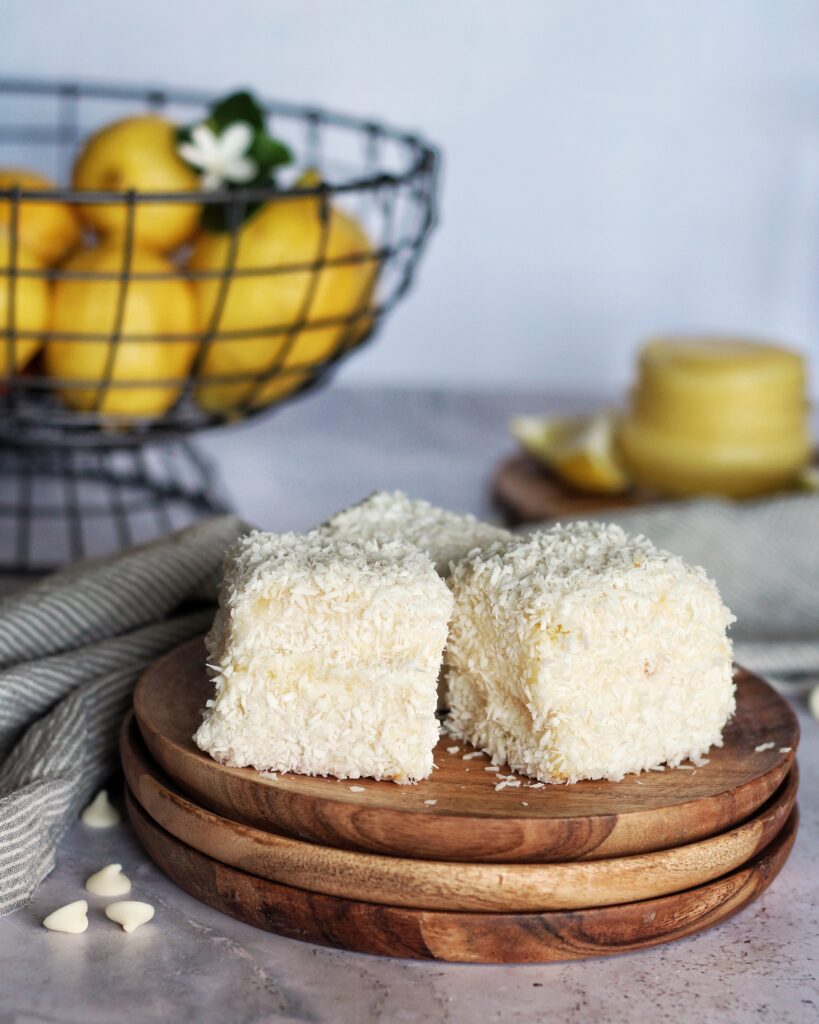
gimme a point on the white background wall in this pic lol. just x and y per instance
(612, 168)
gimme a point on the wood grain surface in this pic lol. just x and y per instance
(443, 935)
(469, 820)
(442, 885)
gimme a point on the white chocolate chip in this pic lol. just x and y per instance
(129, 913)
(109, 881)
(100, 813)
(72, 918)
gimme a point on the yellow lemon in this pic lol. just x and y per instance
(48, 230)
(539, 434)
(808, 479)
(32, 301)
(153, 369)
(268, 307)
(138, 153)
(581, 450)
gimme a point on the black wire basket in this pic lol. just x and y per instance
(242, 330)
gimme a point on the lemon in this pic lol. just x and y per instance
(151, 308)
(581, 450)
(48, 230)
(539, 435)
(32, 301)
(264, 306)
(808, 478)
(138, 153)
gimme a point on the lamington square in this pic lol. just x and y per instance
(325, 655)
(445, 536)
(582, 653)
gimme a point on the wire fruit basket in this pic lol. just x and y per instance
(97, 398)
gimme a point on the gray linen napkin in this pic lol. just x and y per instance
(764, 556)
(72, 646)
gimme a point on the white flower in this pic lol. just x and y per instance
(222, 159)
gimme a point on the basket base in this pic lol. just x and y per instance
(61, 504)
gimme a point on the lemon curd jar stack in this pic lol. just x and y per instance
(716, 416)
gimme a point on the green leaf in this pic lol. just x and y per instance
(239, 106)
(269, 152)
(219, 217)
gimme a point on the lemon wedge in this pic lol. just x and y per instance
(581, 450)
(540, 435)
(808, 478)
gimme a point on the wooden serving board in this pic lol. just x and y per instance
(469, 820)
(443, 935)
(441, 885)
(527, 492)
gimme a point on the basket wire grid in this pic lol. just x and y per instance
(383, 178)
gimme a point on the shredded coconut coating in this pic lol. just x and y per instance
(445, 536)
(325, 654)
(582, 653)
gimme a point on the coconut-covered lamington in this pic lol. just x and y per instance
(445, 536)
(325, 654)
(583, 653)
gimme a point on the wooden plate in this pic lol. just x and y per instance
(469, 820)
(527, 492)
(441, 885)
(442, 935)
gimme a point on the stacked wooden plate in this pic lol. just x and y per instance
(463, 867)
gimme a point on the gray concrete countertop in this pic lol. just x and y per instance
(193, 964)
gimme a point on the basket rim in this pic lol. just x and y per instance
(425, 154)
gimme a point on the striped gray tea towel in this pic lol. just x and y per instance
(72, 645)
(764, 556)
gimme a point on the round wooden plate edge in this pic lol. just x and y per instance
(444, 885)
(341, 822)
(526, 492)
(458, 937)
